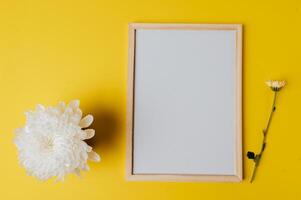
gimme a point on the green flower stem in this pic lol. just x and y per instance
(265, 132)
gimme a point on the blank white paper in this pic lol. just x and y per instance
(184, 105)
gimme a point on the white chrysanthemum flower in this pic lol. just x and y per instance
(275, 85)
(51, 144)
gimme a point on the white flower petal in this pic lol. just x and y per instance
(86, 121)
(61, 106)
(74, 104)
(89, 149)
(76, 117)
(40, 107)
(269, 83)
(89, 133)
(77, 172)
(60, 178)
(93, 156)
(86, 168)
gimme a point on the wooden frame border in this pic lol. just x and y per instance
(130, 105)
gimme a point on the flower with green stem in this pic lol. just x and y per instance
(275, 86)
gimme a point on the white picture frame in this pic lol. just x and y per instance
(184, 102)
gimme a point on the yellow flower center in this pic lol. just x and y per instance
(47, 143)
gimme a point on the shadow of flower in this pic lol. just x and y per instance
(107, 127)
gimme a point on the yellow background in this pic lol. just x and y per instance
(69, 49)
